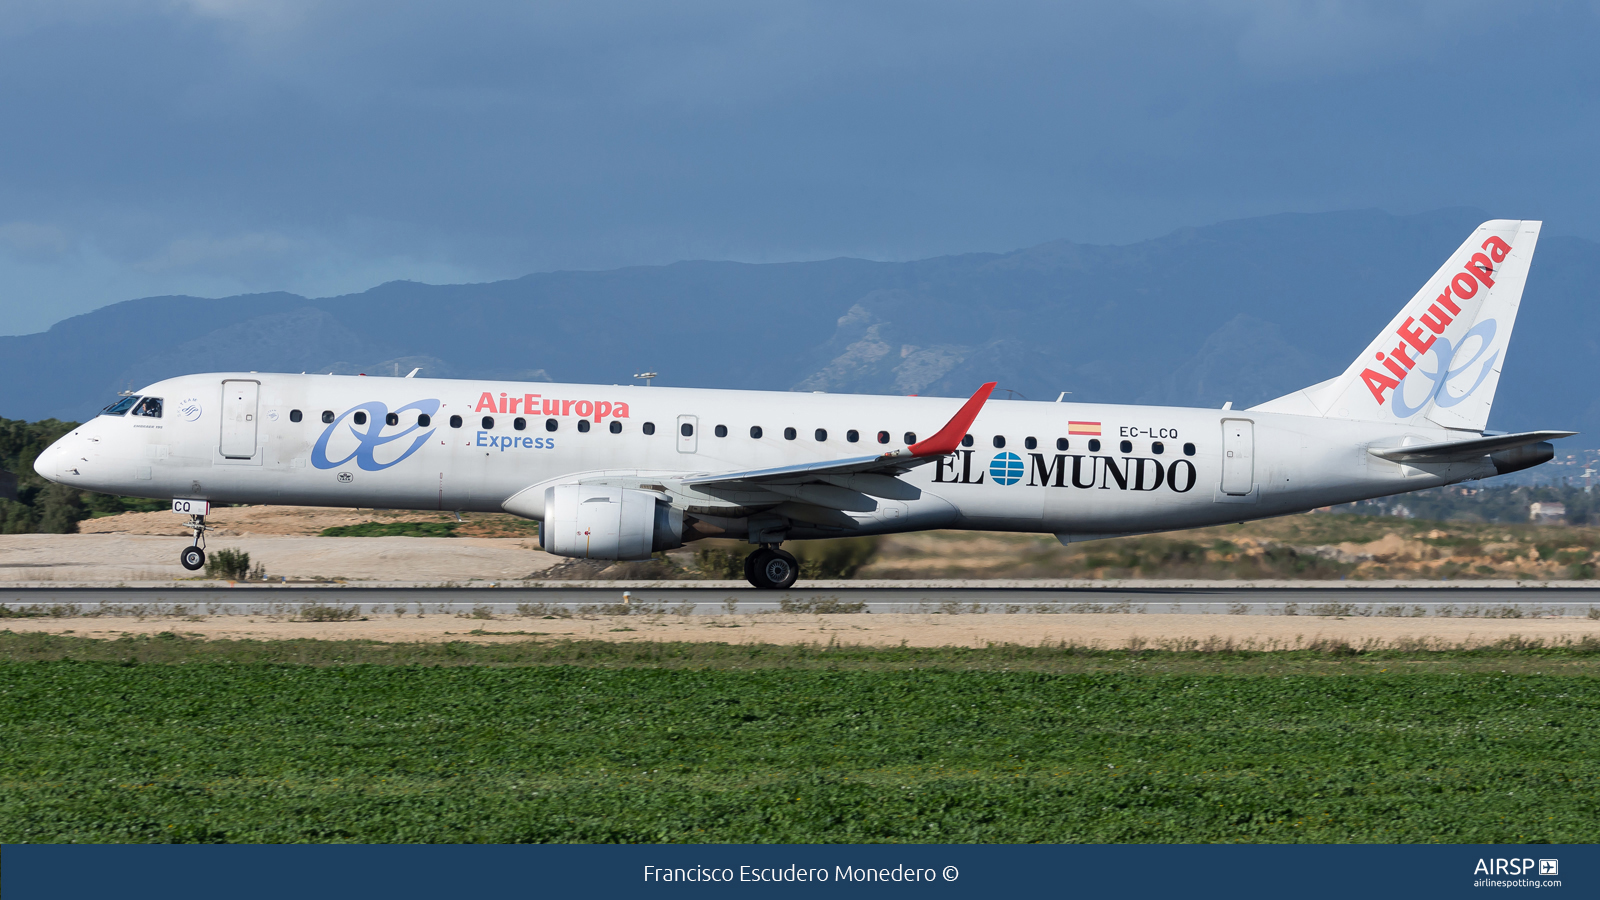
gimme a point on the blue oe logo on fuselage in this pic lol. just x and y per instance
(1006, 468)
(368, 441)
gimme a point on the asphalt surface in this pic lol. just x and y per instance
(266, 600)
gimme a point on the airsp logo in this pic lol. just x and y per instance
(1006, 468)
(1513, 866)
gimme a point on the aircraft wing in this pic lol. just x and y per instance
(894, 462)
(1461, 451)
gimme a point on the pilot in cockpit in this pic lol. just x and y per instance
(150, 407)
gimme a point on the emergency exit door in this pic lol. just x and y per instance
(688, 439)
(239, 418)
(1238, 450)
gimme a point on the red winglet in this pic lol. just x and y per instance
(949, 437)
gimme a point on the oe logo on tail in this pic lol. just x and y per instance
(368, 441)
(1478, 270)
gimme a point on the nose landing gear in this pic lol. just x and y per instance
(770, 568)
(193, 558)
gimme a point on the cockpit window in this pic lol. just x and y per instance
(149, 406)
(120, 407)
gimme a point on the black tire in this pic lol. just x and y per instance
(193, 558)
(754, 566)
(780, 570)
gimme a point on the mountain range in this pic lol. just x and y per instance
(1241, 311)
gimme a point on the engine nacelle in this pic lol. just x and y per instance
(1525, 457)
(597, 522)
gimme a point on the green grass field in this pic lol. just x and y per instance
(174, 740)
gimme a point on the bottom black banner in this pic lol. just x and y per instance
(311, 872)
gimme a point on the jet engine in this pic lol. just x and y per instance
(1525, 457)
(597, 522)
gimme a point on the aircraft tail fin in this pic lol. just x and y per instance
(1439, 359)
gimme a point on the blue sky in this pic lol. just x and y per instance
(213, 147)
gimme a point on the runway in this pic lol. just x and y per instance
(694, 599)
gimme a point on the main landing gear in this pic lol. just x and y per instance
(771, 568)
(193, 558)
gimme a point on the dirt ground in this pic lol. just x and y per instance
(64, 559)
(233, 521)
(1158, 631)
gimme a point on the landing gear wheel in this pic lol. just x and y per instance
(750, 568)
(195, 557)
(773, 569)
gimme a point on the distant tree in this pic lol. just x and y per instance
(1468, 503)
(60, 508)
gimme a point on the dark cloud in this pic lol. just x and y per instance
(217, 146)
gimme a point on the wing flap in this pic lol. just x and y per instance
(895, 462)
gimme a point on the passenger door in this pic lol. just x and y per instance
(1238, 450)
(239, 419)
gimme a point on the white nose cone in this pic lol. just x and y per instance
(48, 463)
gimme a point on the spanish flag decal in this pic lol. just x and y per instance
(1084, 428)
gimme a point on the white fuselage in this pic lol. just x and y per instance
(233, 438)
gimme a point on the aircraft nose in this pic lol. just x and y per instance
(48, 463)
(45, 463)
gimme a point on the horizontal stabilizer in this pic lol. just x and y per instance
(1461, 451)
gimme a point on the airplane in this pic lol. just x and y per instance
(622, 472)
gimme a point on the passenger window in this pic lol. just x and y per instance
(583, 425)
(552, 424)
(455, 421)
(852, 436)
(755, 432)
(1158, 448)
(722, 431)
(883, 437)
(294, 415)
(647, 428)
(1031, 443)
(424, 420)
(687, 430)
(519, 423)
(327, 417)
(487, 423)
(360, 417)
(1126, 446)
(822, 434)
(790, 434)
(1061, 444)
(1094, 445)
(999, 442)
(392, 419)
(149, 407)
(911, 438)
(120, 408)
(1188, 449)
(966, 440)
(616, 427)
